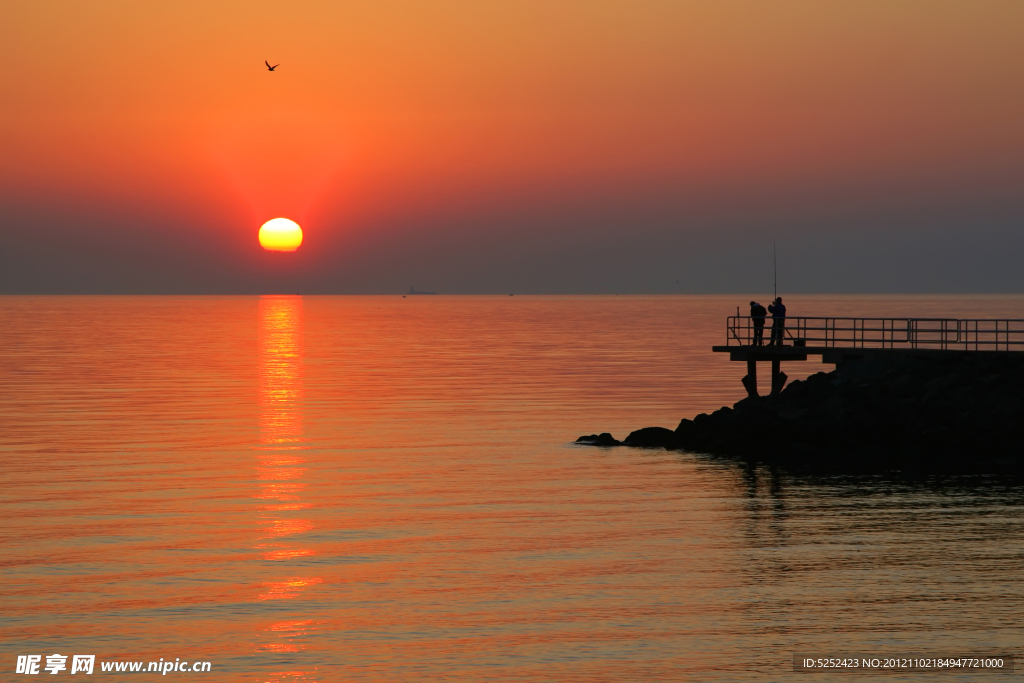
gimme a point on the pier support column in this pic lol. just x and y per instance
(778, 377)
(750, 381)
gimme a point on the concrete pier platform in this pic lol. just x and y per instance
(838, 355)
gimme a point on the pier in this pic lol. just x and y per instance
(841, 340)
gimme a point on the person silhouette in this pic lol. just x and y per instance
(757, 314)
(778, 311)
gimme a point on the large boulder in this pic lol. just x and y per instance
(652, 437)
(602, 439)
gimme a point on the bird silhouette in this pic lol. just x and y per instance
(270, 68)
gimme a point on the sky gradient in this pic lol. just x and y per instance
(528, 147)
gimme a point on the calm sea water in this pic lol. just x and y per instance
(384, 488)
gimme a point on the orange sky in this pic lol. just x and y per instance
(385, 110)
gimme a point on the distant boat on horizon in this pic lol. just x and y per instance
(412, 290)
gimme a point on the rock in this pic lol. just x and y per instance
(906, 385)
(940, 384)
(685, 428)
(832, 409)
(792, 413)
(746, 404)
(652, 437)
(603, 439)
(1009, 407)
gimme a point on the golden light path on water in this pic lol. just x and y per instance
(280, 470)
(385, 489)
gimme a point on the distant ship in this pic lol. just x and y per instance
(412, 290)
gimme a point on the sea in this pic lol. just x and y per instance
(386, 488)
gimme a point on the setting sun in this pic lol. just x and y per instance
(280, 234)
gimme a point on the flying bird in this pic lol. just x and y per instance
(270, 68)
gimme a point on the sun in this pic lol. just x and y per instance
(280, 234)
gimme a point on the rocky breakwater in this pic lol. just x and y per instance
(961, 412)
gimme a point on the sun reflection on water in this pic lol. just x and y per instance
(280, 467)
(289, 632)
(286, 590)
(280, 393)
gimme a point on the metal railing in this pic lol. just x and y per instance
(887, 333)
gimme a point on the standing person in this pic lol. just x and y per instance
(757, 314)
(778, 311)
